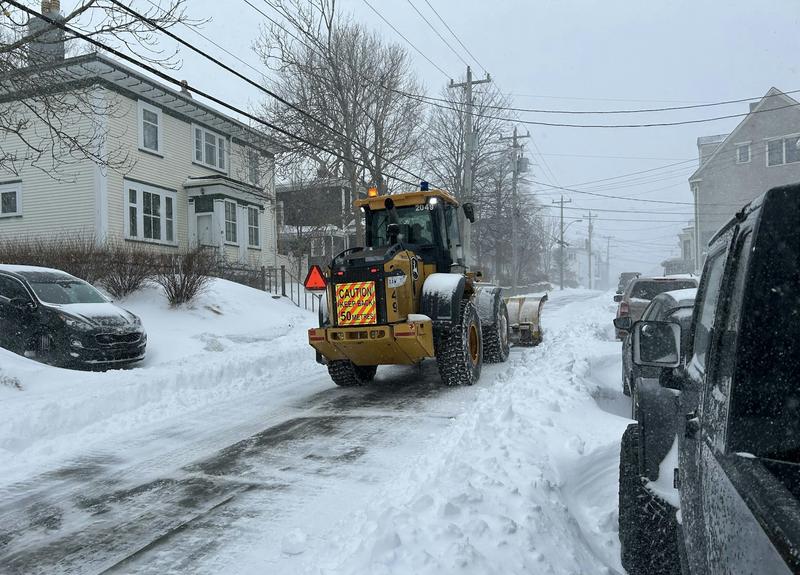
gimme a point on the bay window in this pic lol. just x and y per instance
(149, 213)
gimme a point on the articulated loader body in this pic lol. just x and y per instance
(407, 296)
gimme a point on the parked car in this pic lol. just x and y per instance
(640, 292)
(735, 418)
(669, 306)
(62, 320)
(624, 279)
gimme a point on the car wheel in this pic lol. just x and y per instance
(47, 350)
(648, 529)
(626, 385)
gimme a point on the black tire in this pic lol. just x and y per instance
(648, 530)
(496, 337)
(345, 373)
(46, 350)
(459, 351)
(626, 390)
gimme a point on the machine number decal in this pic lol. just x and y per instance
(396, 281)
(414, 269)
(355, 303)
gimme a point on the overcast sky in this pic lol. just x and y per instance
(587, 55)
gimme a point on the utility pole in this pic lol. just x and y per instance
(562, 201)
(469, 147)
(608, 259)
(516, 156)
(591, 278)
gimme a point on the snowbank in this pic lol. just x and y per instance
(525, 481)
(232, 340)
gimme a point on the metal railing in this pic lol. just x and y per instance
(278, 281)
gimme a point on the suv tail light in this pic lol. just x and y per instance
(623, 309)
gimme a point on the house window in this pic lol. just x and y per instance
(253, 165)
(210, 149)
(11, 199)
(151, 216)
(230, 222)
(150, 213)
(149, 128)
(742, 153)
(253, 235)
(783, 151)
(317, 247)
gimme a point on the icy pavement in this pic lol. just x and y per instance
(517, 474)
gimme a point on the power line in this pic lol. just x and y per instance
(626, 111)
(652, 212)
(612, 157)
(409, 42)
(609, 196)
(171, 79)
(251, 82)
(199, 33)
(435, 31)
(602, 126)
(456, 37)
(600, 99)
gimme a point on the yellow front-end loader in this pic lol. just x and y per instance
(408, 295)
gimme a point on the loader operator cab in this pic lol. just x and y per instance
(425, 222)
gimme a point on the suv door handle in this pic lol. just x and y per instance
(692, 425)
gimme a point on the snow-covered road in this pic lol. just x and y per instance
(517, 474)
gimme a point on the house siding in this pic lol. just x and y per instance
(170, 170)
(90, 199)
(728, 186)
(52, 204)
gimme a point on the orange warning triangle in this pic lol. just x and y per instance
(315, 280)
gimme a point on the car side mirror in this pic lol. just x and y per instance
(469, 211)
(656, 344)
(22, 304)
(618, 298)
(623, 323)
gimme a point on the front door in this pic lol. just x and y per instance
(205, 235)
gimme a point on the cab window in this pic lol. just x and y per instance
(416, 225)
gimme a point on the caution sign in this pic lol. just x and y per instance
(355, 303)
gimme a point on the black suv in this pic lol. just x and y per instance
(736, 411)
(62, 320)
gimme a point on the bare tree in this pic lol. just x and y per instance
(348, 90)
(50, 119)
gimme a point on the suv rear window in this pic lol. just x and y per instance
(648, 289)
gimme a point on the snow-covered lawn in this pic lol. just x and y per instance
(231, 341)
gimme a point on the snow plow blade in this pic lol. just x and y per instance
(524, 314)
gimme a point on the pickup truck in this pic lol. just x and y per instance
(735, 461)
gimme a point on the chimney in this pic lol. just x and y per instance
(48, 46)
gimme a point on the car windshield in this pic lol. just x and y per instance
(66, 291)
(416, 225)
(648, 289)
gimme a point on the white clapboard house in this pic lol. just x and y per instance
(191, 174)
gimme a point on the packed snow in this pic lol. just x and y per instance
(517, 474)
